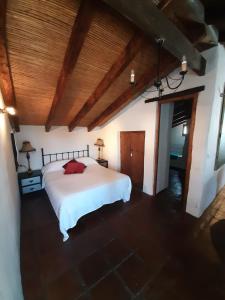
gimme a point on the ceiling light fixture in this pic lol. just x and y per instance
(158, 83)
(8, 109)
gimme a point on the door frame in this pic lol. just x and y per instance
(194, 98)
(135, 131)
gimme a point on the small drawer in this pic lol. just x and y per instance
(32, 180)
(31, 188)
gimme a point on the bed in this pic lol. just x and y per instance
(73, 196)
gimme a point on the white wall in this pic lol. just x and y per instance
(10, 280)
(204, 182)
(59, 139)
(214, 180)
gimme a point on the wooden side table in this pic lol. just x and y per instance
(29, 183)
(102, 162)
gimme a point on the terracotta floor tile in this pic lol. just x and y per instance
(65, 287)
(53, 264)
(93, 268)
(145, 248)
(154, 256)
(90, 241)
(47, 238)
(122, 229)
(134, 273)
(115, 252)
(110, 288)
(32, 287)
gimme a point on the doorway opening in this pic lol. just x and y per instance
(173, 151)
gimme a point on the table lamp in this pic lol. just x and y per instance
(26, 148)
(99, 143)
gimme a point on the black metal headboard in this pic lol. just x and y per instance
(64, 155)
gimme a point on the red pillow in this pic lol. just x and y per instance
(72, 160)
(74, 167)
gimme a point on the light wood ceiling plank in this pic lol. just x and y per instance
(144, 60)
(106, 39)
(129, 52)
(80, 29)
(147, 79)
(6, 80)
(37, 32)
(156, 24)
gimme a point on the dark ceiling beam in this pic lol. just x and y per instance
(136, 43)
(154, 22)
(6, 81)
(147, 79)
(121, 101)
(178, 94)
(79, 31)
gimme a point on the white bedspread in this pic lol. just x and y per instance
(73, 196)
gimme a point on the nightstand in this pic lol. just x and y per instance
(30, 183)
(102, 162)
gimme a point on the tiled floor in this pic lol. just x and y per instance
(176, 181)
(170, 199)
(138, 250)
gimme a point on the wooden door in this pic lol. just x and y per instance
(132, 145)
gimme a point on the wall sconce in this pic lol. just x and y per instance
(132, 77)
(185, 130)
(8, 109)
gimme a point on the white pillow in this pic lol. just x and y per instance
(87, 161)
(54, 166)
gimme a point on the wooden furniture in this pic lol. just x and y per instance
(29, 183)
(102, 162)
(132, 145)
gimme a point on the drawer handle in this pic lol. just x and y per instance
(31, 189)
(31, 180)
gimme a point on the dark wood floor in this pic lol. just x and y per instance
(170, 199)
(176, 182)
(139, 250)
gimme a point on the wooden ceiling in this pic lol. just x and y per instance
(69, 61)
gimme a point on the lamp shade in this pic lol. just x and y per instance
(99, 143)
(27, 147)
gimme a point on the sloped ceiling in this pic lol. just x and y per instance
(38, 33)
